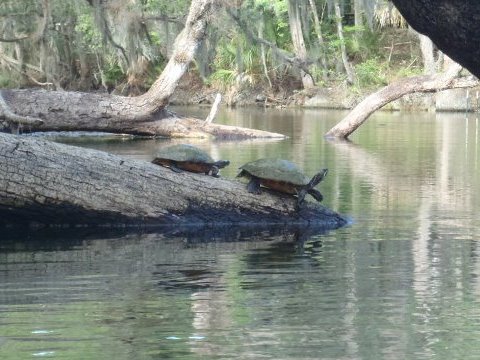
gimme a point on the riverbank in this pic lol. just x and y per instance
(191, 91)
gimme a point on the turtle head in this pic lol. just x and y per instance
(317, 178)
(221, 163)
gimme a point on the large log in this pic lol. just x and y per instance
(77, 111)
(451, 24)
(43, 182)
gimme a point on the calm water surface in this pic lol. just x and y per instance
(402, 282)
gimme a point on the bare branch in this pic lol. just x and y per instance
(163, 18)
(14, 39)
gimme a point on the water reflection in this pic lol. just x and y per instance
(401, 282)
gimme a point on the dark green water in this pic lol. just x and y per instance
(402, 282)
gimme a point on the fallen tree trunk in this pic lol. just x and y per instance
(375, 101)
(76, 111)
(43, 182)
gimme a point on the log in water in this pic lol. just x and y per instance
(43, 182)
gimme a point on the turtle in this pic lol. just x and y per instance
(283, 176)
(188, 157)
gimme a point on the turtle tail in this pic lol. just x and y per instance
(316, 179)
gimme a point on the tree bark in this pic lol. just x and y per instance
(424, 83)
(43, 182)
(428, 56)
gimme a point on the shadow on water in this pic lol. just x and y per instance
(64, 239)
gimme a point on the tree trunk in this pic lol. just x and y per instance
(426, 46)
(343, 49)
(298, 40)
(42, 182)
(424, 83)
(358, 14)
(72, 111)
(321, 42)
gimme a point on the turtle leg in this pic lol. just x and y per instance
(253, 186)
(175, 168)
(301, 198)
(213, 171)
(309, 188)
(316, 195)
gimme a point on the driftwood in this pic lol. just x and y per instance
(214, 109)
(42, 182)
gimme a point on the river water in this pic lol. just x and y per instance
(401, 282)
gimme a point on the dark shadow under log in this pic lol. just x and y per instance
(45, 183)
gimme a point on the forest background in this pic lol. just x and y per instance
(279, 52)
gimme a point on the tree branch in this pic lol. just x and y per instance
(14, 39)
(186, 45)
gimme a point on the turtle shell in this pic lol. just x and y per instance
(184, 153)
(277, 170)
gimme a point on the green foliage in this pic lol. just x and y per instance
(371, 73)
(90, 34)
(170, 8)
(113, 73)
(6, 81)
(235, 60)
(408, 71)
(223, 78)
(362, 43)
(76, 35)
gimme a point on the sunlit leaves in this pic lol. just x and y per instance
(90, 34)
